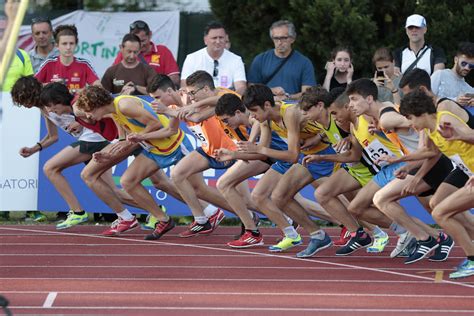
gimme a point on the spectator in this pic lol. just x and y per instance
(159, 57)
(226, 68)
(418, 54)
(285, 70)
(385, 77)
(42, 32)
(339, 69)
(19, 67)
(450, 83)
(130, 76)
(72, 71)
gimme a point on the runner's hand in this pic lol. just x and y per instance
(27, 151)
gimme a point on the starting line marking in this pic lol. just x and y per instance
(247, 252)
(48, 302)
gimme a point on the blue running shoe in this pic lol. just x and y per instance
(464, 270)
(314, 246)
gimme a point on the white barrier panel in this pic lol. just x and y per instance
(19, 127)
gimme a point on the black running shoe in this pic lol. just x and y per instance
(423, 248)
(358, 240)
(445, 245)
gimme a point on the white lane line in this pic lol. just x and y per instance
(418, 277)
(250, 293)
(197, 267)
(212, 280)
(264, 309)
(237, 255)
(48, 302)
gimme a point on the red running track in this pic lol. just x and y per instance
(49, 272)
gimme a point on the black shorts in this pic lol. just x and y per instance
(89, 147)
(436, 175)
(457, 177)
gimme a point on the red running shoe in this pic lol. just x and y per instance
(120, 226)
(197, 229)
(344, 237)
(161, 229)
(247, 240)
(216, 218)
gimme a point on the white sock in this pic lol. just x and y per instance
(290, 232)
(397, 229)
(125, 215)
(319, 234)
(290, 221)
(200, 219)
(210, 210)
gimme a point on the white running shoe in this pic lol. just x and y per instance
(403, 241)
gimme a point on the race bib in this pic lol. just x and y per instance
(461, 165)
(376, 150)
(198, 133)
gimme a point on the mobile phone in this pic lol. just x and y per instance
(380, 75)
(469, 95)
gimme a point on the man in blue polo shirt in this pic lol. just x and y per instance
(286, 71)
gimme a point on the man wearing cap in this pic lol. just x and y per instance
(42, 32)
(226, 68)
(159, 57)
(418, 54)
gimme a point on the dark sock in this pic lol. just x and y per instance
(80, 213)
(255, 233)
(471, 258)
(341, 225)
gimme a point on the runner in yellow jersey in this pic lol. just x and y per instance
(288, 122)
(210, 132)
(449, 134)
(362, 94)
(335, 118)
(163, 150)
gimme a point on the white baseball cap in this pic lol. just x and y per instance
(415, 20)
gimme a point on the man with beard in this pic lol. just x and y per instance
(451, 83)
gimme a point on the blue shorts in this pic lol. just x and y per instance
(213, 162)
(385, 175)
(165, 161)
(281, 166)
(320, 169)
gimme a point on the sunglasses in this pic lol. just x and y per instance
(215, 73)
(40, 20)
(140, 25)
(466, 64)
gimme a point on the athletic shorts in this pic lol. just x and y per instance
(89, 147)
(436, 175)
(385, 175)
(164, 161)
(320, 169)
(281, 166)
(362, 175)
(213, 162)
(457, 177)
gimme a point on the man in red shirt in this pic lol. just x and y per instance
(157, 56)
(72, 71)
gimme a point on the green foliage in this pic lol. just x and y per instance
(363, 25)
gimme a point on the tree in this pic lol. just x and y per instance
(361, 24)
